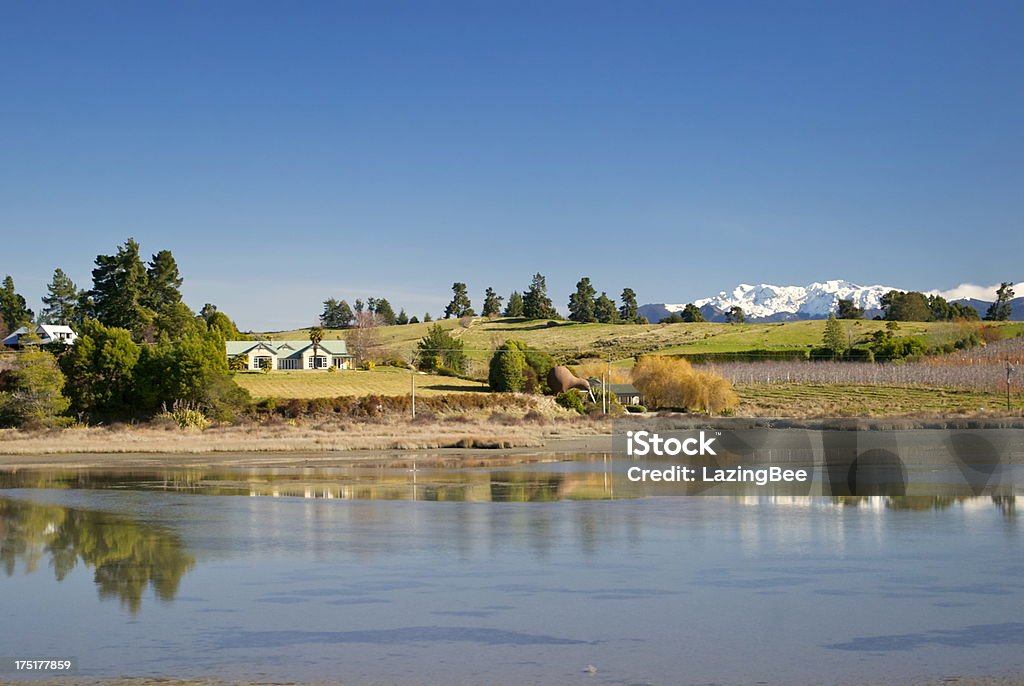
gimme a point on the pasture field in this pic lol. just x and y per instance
(848, 400)
(356, 382)
(620, 342)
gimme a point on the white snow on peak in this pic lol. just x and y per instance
(816, 299)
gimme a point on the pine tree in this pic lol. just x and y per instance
(120, 286)
(605, 310)
(692, 313)
(492, 303)
(847, 310)
(514, 308)
(402, 317)
(629, 312)
(1001, 309)
(163, 282)
(61, 300)
(13, 307)
(536, 303)
(328, 318)
(581, 303)
(460, 305)
(735, 315)
(382, 308)
(344, 315)
(834, 337)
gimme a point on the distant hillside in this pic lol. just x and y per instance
(981, 307)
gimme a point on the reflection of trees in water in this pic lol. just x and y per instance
(127, 556)
(1007, 504)
(920, 502)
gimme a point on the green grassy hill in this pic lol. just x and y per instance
(620, 342)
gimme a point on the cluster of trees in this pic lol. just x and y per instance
(885, 345)
(913, 306)
(690, 313)
(338, 314)
(533, 304)
(139, 349)
(585, 305)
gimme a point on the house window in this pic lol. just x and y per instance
(261, 362)
(289, 364)
(318, 362)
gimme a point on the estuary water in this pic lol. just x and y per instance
(545, 573)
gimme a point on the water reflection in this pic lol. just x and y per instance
(568, 477)
(127, 556)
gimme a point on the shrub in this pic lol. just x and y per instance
(31, 393)
(672, 382)
(185, 414)
(635, 408)
(440, 349)
(571, 400)
(505, 374)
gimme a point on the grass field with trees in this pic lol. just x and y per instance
(621, 342)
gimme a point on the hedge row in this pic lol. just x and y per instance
(379, 405)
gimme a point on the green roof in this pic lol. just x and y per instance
(285, 348)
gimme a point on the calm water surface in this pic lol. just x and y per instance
(180, 573)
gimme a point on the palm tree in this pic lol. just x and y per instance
(316, 334)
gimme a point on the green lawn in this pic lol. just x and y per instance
(322, 384)
(620, 342)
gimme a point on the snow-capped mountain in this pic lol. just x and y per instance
(766, 302)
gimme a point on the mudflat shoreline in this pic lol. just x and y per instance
(334, 444)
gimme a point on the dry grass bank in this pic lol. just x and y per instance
(306, 436)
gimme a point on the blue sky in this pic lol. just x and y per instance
(290, 152)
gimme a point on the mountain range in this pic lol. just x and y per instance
(769, 303)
